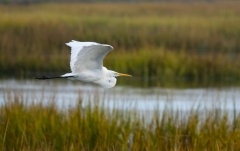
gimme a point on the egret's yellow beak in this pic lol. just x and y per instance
(122, 74)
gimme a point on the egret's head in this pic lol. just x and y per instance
(109, 80)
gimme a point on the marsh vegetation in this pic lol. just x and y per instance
(198, 41)
(39, 127)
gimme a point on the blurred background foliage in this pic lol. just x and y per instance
(189, 40)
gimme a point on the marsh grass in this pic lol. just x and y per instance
(35, 126)
(196, 40)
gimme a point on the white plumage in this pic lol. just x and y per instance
(87, 55)
(86, 64)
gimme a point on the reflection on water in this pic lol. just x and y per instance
(67, 93)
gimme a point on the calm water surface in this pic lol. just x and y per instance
(67, 93)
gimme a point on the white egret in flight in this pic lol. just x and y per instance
(86, 64)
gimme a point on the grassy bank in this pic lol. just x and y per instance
(195, 40)
(41, 127)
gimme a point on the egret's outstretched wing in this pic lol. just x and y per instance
(87, 55)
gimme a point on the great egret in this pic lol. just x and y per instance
(87, 64)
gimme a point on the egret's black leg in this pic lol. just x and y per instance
(48, 77)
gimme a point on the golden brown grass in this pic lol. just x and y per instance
(34, 126)
(179, 39)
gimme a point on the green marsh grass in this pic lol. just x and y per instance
(196, 40)
(37, 126)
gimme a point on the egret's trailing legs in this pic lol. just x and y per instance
(48, 77)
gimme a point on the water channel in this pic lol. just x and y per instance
(67, 93)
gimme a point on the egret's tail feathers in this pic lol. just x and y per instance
(48, 77)
(68, 75)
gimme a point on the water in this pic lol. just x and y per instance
(67, 93)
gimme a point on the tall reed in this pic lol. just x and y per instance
(32, 37)
(35, 126)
